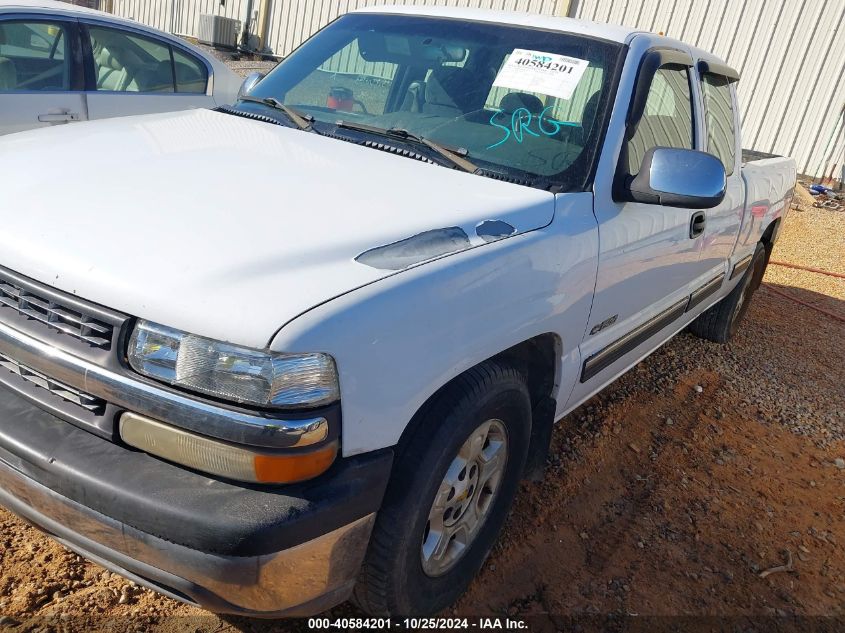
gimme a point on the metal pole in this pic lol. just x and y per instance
(263, 30)
(247, 25)
(831, 144)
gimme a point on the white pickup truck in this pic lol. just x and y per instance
(305, 347)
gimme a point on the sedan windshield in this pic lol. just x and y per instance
(519, 102)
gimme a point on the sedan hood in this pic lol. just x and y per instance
(229, 227)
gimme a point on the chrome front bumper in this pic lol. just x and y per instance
(303, 580)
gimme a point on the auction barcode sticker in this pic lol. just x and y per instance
(544, 73)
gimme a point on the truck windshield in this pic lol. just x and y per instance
(521, 102)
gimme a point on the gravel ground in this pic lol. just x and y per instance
(823, 230)
(669, 493)
(242, 66)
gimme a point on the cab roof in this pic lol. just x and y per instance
(611, 32)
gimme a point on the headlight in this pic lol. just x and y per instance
(230, 372)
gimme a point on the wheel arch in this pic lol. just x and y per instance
(768, 239)
(538, 359)
(770, 235)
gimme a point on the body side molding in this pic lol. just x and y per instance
(705, 291)
(621, 346)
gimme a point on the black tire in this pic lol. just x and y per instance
(392, 581)
(720, 322)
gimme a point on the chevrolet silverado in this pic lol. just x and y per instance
(305, 347)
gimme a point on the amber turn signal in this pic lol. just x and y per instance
(227, 460)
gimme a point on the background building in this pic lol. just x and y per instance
(790, 53)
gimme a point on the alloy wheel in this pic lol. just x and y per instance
(465, 496)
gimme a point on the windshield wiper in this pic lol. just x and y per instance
(455, 156)
(299, 119)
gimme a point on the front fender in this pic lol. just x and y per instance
(400, 339)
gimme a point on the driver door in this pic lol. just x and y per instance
(41, 79)
(649, 259)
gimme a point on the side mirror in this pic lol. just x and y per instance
(249, 83)
(679, 178)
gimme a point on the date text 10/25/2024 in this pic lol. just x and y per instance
(416, 624)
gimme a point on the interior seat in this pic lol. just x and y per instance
(8, 74)
(155, 78)
(513, 101)
(112, 74)
(451, 91)
(414, 97)
(8, 71)
(190, 78)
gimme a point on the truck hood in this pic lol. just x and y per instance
(229, 227)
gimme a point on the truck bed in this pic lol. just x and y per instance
(769, 187)
(751, 155)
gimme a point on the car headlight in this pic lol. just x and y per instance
(230, 372)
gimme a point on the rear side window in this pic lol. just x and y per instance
(719, 118)
(33, 56)
(667, 119)
(128, 62)
(191, 74)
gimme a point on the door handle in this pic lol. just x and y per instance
(58, 117)
(697, 224)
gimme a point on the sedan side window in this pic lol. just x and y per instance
(34, 56)
(191, 74)
(667, 120)
(127, 62)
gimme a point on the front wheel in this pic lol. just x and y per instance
(720, 322)
(450, 492)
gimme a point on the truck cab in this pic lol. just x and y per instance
(460, 226)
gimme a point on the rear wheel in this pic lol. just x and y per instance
(452, 487)
(720, 322)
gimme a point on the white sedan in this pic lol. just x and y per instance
(61, 63)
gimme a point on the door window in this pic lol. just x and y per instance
(34, 56)
(719, 118)
(127, 62)
(667, 120)
(191, 74)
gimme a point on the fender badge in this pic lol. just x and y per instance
(606, 323)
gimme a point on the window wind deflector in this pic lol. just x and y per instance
(652, 61)
(299, 119)
(715, 68)
(456, 156)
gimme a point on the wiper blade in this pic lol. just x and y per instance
(453, 155)
(299, 119)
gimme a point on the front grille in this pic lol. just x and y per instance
(69, 394)
(65, 319)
